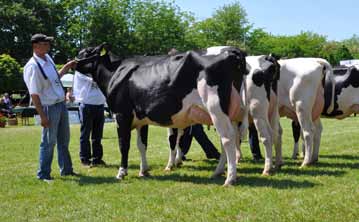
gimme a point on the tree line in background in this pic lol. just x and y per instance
(145, 27)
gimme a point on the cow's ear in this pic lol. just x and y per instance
(103, 51)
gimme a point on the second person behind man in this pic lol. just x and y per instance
(92, 119)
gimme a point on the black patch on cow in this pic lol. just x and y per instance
(268, 75)
(158, 89)
(224, 70)
(342, 81)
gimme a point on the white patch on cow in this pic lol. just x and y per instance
(300, 82)
(223, 124)
(215, 50)
(346, 99)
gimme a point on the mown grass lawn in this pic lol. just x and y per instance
(328, 191)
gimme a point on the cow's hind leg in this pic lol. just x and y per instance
(265, 135)
(296, 136)
(305, 121)
(179, 153)
(142, 134)
(317, 137)
(172, 140)
(124, 139)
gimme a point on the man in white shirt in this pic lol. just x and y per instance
(92, 101)
(44, 85)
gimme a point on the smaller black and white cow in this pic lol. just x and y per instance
(170, 91)
(258, 97)
(301, 98)
(346, 99)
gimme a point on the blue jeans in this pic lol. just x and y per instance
(92, 122)
(58, 133)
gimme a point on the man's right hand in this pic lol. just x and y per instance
(45, 122)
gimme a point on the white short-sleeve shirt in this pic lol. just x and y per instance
(49, 90)
(86, 91)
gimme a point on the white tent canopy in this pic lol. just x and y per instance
(67, 80)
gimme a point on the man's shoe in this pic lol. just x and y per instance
(86, 163)
(98, 162)
(47, 180)
(72, 174)
(215, 155)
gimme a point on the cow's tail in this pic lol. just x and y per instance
(328, 77)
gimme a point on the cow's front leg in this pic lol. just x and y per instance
(172, 140)
(221, 164)
(124, 139)
(142, 134)
(277, 138)
(227, 133)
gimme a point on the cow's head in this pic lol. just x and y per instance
(90, 58)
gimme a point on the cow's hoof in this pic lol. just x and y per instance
(229, 183)
(178, 164)
(122, 172)
(279, 165)
(217, 174)
(269, 172)
(145, 173)
(314, 161)
(168, 169)
(120, 177)
(304, 165)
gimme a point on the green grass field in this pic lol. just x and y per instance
(328, 191)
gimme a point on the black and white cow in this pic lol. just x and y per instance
(258, 96)
(346, 98)
(301, 98)
(170, 91)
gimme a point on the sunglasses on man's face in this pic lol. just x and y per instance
(43, 43)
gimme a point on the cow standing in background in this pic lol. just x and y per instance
(346, 99)
(175, 92)
(301, 98)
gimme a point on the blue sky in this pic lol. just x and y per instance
(335, 19)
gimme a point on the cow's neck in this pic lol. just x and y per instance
(102, 78)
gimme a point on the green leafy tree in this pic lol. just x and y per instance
(229, 24)
(19, 19)
(10, 74)
(334, 52)
(156, 27)
(353, 45)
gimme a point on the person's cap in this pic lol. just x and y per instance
(39, 37)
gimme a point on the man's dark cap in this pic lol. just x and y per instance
(39, 37)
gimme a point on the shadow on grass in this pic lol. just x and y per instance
(254, 181)
(88, 180)
(338, 165)
(262, 181)
(343, 156)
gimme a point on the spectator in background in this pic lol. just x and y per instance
(92, 118)
(198, 133)
(7, 101)
(69, 96)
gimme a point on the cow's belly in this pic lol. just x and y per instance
(348, 101)
(193, 112)
(288, 110)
